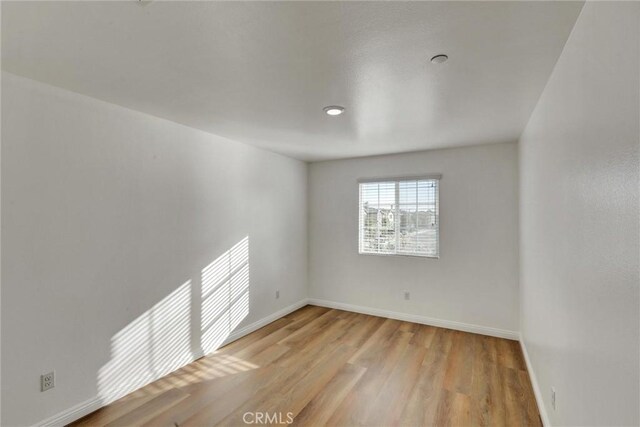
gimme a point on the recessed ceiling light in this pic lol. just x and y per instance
(333, 110)
(439, 59)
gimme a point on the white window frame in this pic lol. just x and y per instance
(397, 180)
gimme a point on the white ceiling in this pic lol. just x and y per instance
(260, 72)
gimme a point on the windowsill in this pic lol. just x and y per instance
(401, 255)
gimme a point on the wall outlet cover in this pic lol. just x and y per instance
(47, 381)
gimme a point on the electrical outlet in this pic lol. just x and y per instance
(47, 381)
(407, 295)
(553, 398)
(278, 294)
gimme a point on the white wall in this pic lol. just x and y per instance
(579, 224)
(475, 280)
(109, 217)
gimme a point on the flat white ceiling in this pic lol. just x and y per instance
(260, 72)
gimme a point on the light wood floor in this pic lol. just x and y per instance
(332, 367)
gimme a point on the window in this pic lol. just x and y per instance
(400, 217)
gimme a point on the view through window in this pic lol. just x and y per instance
(400, 217)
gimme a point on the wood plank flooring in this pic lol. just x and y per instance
(330, 367)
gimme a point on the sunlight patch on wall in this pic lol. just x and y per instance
(225, 295)
(159, 341)
(153, 345)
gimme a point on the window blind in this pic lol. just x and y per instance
(399, 217)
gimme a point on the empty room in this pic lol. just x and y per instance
(320, 213)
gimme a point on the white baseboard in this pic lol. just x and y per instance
(265, 321)
(74, 413)
(88, 406)
(449, 324)
(536, 387)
